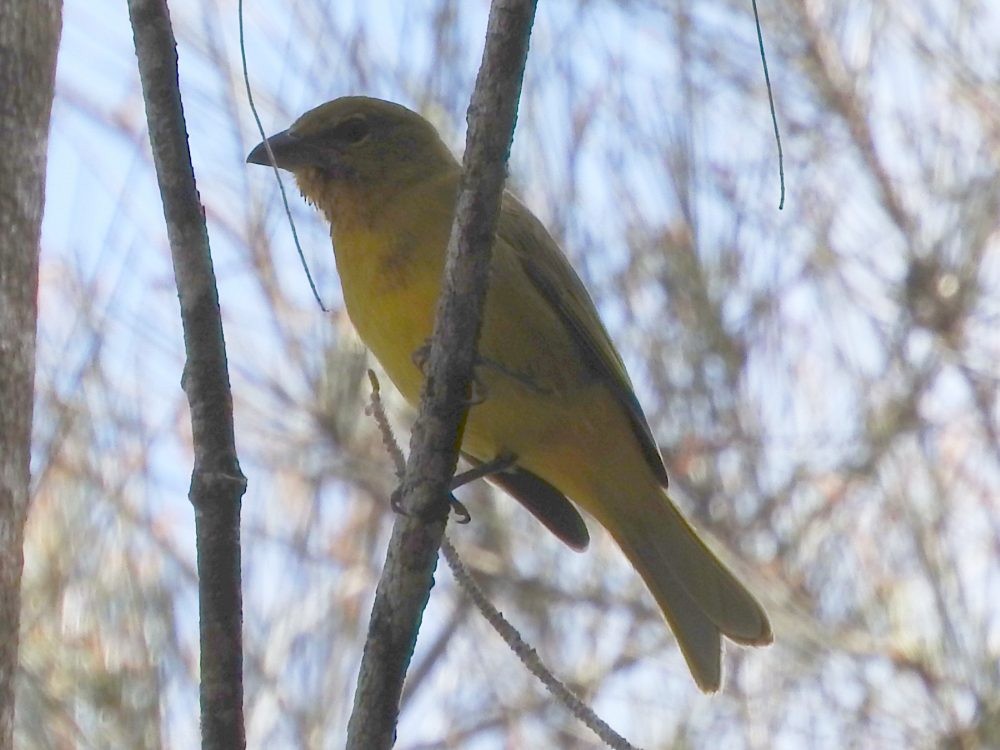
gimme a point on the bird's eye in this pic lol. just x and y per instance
(352, 130)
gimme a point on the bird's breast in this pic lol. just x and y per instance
(391, 283)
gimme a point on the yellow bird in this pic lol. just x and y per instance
(556, 394)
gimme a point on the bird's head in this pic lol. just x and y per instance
(359, 140)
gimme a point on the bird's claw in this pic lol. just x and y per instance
(396, 502)
(422, 356)
(478, 392)
(462, 514)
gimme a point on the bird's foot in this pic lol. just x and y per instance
(462, 514)
(422, 357)
(478, 392)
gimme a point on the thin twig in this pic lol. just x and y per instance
(377, 410)
(504, 628)
(770, 99)
(527, 654)
(270, 155)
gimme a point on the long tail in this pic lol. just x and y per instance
(700, 598)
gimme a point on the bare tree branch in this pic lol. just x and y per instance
(217, 483)
(408, 575)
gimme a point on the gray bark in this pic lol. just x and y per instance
(217, 483)
(29, 39)
(408, 574)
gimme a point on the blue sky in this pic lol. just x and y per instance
(809, 390)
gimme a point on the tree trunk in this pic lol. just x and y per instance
(29, 38)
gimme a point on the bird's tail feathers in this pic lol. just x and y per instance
(699, 597)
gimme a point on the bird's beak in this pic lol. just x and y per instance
(290, 151)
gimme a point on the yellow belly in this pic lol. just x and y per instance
(540, 402)
(391, 305)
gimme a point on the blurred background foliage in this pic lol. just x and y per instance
(822, 380)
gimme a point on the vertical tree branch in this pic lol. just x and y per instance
(408, 575)
(217, 483)
(29, 38)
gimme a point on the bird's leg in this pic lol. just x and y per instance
(498, 464)
(501, 463)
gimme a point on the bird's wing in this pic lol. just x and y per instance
(552, 275)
